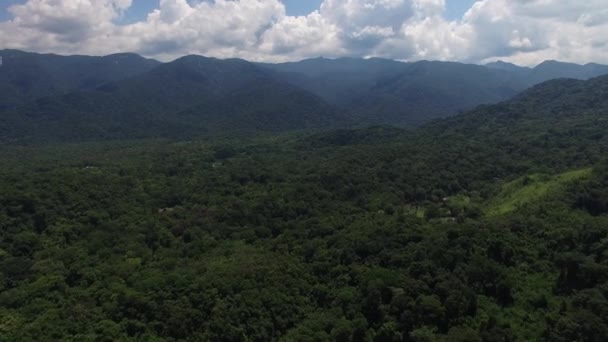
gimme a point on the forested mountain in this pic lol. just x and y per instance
(77, 98)
(563, 108)
(191, 96)
(28, 76)
(549, 70)
(488, 226)
(378, 91)
(510, 67)
(338, 81)
(428, 90)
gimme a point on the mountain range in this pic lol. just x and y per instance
(75, 98)
(489, 225)
(27, 76)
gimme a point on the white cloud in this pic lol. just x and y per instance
(172, 11)
(222, 29)
(521, 31)
(304, 36)
(68, 20)
(529, 31)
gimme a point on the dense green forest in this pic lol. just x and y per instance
(26, 76)
(489, 226)
(51, 98)
(189, 97)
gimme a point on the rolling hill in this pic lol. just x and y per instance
(28, 76)
(379, 91)
(487, 226)
(188, 97)
(74, 98)
(428, 90)
(549, 70)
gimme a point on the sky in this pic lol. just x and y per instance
(140, 8)
(525, 32)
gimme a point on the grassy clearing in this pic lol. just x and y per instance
(527, 189)
(459, 201)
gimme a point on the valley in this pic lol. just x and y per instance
(490, 225)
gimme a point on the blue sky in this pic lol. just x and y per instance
(140, 8)
(301, 7)
(4, 15)
(455, 9)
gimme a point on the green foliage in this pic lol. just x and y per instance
(379, 91)
(51, 98)
(317, 237)
(529, 189)
(29, 76)
(190, 97)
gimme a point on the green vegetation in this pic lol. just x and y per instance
(51, 98)
(379, 91)
(375, 234)
(287, 238)
(190, 97)
(530, 189)
(25, 76)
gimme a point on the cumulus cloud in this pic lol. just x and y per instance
(303, 36)
(222, 28)
(58, 25)
(529, 31)
(521, 31)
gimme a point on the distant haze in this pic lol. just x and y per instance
(49, 97)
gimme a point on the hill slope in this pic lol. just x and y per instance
(27, 76)
(374, 234)
(427, 90)
(191, 96)
(378, 91)
(549, 70)
(564, 107)
(49, 97)
(338, 81)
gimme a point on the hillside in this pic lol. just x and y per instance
(510, 67)
(428, 90)
(28, 76)
(191, 96)
(338, 81)
(527, 190)
(74, 98)
(379, 91)
(542, 117)
(549, 70)
(488, 226)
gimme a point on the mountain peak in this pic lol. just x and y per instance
(506, 66)
(130, 55)
(192, 58)
(501, 62)
(554, 63)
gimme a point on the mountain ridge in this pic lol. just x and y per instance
(128, 96)
(491, 225)
(26, 76)
(174, 100)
